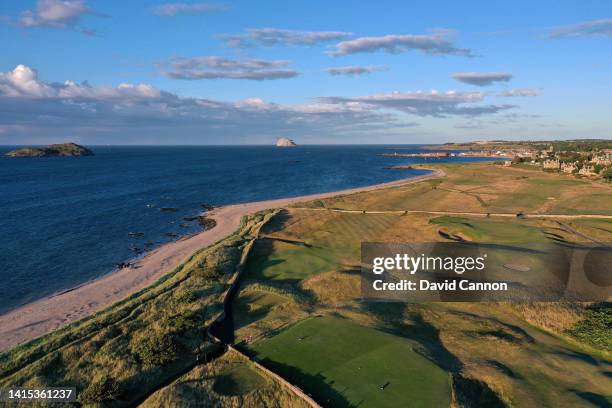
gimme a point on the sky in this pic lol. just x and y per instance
(319, 72)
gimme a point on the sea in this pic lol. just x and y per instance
(68, 220)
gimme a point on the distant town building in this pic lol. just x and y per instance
(568, 167)
(551, 164)
(602, 160)
(587, 171)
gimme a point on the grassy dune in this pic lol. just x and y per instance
(229, 381)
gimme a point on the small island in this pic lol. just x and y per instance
(284, 142)
(54, 150)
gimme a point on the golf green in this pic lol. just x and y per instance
(342, 363)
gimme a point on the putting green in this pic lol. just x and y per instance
(342, 363)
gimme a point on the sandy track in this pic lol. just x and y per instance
(42, 316)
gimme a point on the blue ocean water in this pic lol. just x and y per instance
(66, 220)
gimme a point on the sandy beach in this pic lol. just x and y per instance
(40, 317)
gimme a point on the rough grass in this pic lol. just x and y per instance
(595, 327)
(559, 317)
(239, 380)
(229, 381)
(261, 310)
(525, 366)
(342, 363)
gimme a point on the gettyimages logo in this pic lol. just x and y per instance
(461, 271)
(413, 264)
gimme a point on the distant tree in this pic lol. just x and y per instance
(582, 145)
(607, 174)
(570, 157)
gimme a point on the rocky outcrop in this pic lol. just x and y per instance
(54, 150)
(284, 142)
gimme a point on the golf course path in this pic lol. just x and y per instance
(42, 316)
(467, 214)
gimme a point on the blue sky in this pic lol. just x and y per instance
(244, 72)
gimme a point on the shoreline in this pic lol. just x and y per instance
(32, 320)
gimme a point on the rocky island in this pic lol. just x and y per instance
(54, 150)
(284, 142)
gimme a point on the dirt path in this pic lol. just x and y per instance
(42, 316)
(467, 214)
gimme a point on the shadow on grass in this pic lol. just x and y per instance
(576, 355)
(595, 399)
(322, 391)
(499, 334)
(470, 392)
(248, 316)
(420, 331)
(277, 223)
(516, 330)
(504, 369)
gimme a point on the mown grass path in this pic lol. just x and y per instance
(468, 214)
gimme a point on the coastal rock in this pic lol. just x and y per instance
(54, 150)
(168, 209)
(207, 223)
(284, 142)
(399, 167)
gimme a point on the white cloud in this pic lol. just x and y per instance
(211, 67)
(30, 104)
(172, 9)
(64, 14)
(23, 82)
(276, 36)
(482, 78)
(355, 70)
(35, 108)
(432, 103)
(521, 92)
(595, 28)
(438, 43)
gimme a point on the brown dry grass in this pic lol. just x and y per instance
(333, 287)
